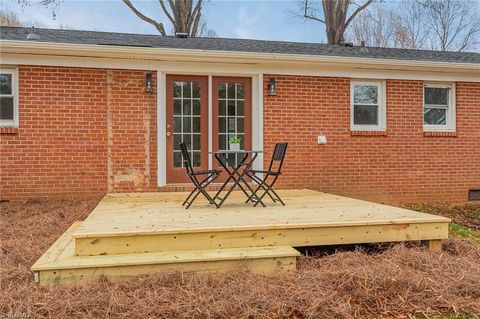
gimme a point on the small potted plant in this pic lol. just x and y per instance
(234, 143)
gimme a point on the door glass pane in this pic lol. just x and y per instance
(196, 90)
(186, 121)
(177, 89)
(187, 107)
(196, 107)
(187, 90)
(177, 159)
(222, 107)
(240, 108)
(231, 111)
(240, 92)
(196, 124)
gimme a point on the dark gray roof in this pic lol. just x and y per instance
(238, 45)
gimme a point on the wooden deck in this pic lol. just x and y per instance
(130, 234)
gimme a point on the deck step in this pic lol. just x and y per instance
(59, 265)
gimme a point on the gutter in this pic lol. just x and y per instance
(94, 50)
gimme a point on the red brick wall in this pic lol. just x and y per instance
(131, 133)
(82, 131)
(90, 131)
(401, 165)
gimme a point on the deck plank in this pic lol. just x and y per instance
(153, 213)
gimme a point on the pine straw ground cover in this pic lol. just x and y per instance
(398, 282)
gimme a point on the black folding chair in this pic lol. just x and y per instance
(274, 170)
(200, 184)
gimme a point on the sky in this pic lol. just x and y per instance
(252, 19)
(269, 20)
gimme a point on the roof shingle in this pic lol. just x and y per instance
(234, 45)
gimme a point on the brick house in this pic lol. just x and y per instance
(87, 113)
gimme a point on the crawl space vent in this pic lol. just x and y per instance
(474, 194)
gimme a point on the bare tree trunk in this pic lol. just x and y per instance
(184, 16)
(335, 16)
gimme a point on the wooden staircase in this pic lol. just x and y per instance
(60, 265)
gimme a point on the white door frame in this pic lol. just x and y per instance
(257, 119)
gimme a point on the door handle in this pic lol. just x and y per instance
(168, 133)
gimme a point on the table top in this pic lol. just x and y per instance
(235, 152)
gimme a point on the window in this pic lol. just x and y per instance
(368, 111)
(8, 98)
(439, 107)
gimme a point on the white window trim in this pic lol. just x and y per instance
(450, 125)
(382, 108)
(14, 73)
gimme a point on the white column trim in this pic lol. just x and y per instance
(210, 120)
(257, 118)
(161, 129)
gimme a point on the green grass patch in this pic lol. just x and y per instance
(458, 230)
(465, 217)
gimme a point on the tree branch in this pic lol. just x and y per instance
(357, 11)
(164, 8)
(308, 16)
(157, 25)
(194, 19)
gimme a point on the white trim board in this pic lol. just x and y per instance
(161, 129)
(197, 55)
(250, 69)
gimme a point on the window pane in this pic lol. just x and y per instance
(187, 127)
(231, 90)
(367, 94)
(187, 139)
(436, 96)
(196, 125)
(177, 159)
(240, 126)
(177, 89)
(196, 142)
(196, 90)
(434, 116)
(177, 107)
(222, 107)
(365, 114)
(231, 107)
(196, 107)
(222, 142)
(221, 91)
(231, 124)
(187, 107)
(222, 127)
(177, 124)
(187, 89)
(240, 91)
(5, 84)
(196, 162)
(240, 108)
(6, 108)
(177, 139)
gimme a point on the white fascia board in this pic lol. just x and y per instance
(183, 55)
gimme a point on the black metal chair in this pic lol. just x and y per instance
(274, 170)
(200, 184)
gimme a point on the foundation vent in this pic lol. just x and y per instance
(474, 194)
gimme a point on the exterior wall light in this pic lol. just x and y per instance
(272, 87)
(148, 83)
